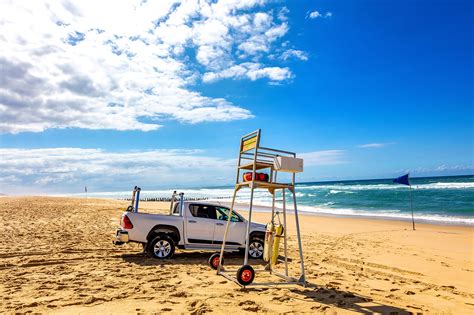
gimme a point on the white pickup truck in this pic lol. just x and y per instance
(190, 225)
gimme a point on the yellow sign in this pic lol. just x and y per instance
(249, 144)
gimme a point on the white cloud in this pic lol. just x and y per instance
(440, 170)
(460, 169)
(128, 65)
(213, 57)
(273, 73)
(316, 14)
(282, 14)
(262, 21)
(294, 53)
(252, 71)
(262, 33)
(210, 32)
(374, 145)
(254, 45)
(327, 157)
(444, 168)
(277, 31)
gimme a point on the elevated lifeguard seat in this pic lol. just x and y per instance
(254, 157)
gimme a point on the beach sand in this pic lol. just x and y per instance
(57, 256)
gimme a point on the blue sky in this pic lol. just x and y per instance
(363, 89)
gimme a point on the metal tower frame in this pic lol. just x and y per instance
(254, 157)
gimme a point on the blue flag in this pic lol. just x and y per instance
(404, 180)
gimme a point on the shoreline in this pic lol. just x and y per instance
(266, 208)
(446, 201)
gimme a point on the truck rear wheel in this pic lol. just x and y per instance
(161, 247)
(214, 260)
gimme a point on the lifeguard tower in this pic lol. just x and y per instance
(254, 157)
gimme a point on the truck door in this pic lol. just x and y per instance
(237, 228)
(199, 223)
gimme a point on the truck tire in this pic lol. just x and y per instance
(256, 248)
(161, 247)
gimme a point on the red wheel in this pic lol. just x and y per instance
(214, 261)
(245, 275)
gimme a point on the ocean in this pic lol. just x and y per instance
(442, 200)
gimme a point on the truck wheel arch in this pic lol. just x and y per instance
(170, 230)
(257, 234)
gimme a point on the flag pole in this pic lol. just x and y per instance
(411, 206)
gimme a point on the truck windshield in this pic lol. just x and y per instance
(223, 214)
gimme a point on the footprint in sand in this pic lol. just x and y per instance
(316, 307)
(179, 294)
(198, 307)
(251, 306)
(281, 298)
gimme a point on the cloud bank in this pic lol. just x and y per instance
(131, 65)
(70, 169)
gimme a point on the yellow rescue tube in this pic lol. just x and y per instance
(276, 243)
(268, 246)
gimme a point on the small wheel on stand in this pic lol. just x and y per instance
(214, 261)
(245, 275)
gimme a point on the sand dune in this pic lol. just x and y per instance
(57, 255)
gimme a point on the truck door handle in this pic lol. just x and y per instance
(219, 223)
(192, 221)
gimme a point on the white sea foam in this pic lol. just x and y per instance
(467, 185)
(382, 214)
(390, 214)
(338, 188)
(334, 191)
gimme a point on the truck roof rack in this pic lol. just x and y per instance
(174, 199)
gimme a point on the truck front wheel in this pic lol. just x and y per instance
(161, 247)
(256, 248)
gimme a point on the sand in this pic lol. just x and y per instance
(57, 256)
